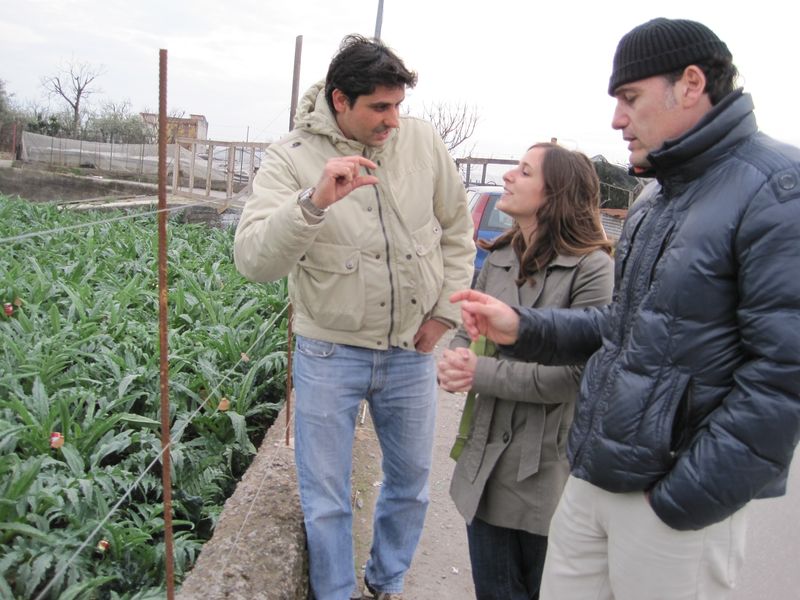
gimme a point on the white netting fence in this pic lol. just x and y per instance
(122, 158)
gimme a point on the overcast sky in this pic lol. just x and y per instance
(533, 70)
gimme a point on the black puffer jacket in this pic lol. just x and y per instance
(693, 386)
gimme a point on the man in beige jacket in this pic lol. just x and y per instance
(366, 213)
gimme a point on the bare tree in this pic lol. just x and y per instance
(116, 122)
(454, 122)
(73, 83)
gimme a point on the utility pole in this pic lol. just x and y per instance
(379, 20)
(298, 52)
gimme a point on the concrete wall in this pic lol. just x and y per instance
(258, 550)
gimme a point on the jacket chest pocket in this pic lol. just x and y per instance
(329, 286)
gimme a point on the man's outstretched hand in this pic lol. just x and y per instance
(482, 314)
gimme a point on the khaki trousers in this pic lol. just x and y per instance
(605, 546)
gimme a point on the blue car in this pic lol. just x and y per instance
(486, 219)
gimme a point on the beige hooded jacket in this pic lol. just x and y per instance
(384, 258)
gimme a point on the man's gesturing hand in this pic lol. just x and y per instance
(341, 176)
(482, 314)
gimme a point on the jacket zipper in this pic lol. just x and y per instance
(655, 213)
(631, 270)
(388, 262)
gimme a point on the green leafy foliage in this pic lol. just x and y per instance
(79, 355)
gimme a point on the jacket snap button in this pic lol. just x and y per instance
(787, 181)
(408, 256)
(506, 437)
(349, 265)
(413, 301)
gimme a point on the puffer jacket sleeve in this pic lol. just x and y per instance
(749, 440)
(559, 336)
(533, 382)
(272, 233)
(458, 249)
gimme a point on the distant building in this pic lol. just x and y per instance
(193, 126)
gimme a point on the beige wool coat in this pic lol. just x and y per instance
(513, 467)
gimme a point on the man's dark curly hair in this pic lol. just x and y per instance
(362, 64)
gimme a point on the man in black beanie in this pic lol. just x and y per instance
(690, 400)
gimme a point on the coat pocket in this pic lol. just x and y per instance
(672, 415)
(314, 348)
(428, 249)
(329, 286)
(471, 459)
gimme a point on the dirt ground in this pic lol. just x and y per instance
(441, 565)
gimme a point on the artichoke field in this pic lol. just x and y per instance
(79, 396)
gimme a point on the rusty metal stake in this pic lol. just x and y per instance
(289, 376)
(166, 475)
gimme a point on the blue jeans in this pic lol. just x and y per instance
(506, 563)
(400, 386)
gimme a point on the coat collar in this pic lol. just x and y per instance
(506, 258)
(686, 157)
(526, 295)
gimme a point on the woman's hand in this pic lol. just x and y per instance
(456, 369)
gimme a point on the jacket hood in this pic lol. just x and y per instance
(306, 106)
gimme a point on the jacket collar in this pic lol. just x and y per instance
(526, 295)
(686, 157)
(505, 258)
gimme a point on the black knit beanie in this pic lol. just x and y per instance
(662, 46)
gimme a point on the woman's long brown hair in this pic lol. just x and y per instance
(568, 220)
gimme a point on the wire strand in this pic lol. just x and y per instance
(57, 230)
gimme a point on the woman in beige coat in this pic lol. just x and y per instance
(510, 474)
